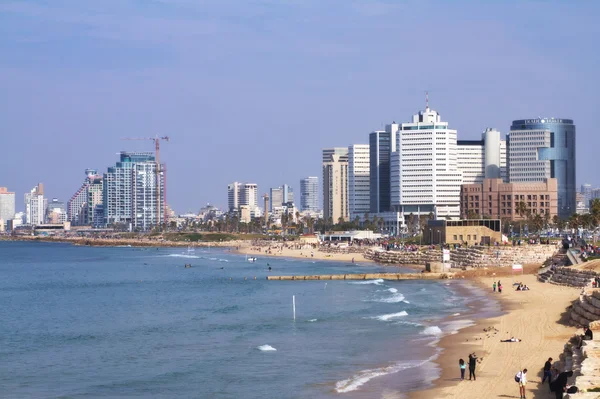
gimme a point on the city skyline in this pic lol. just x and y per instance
(136, 73)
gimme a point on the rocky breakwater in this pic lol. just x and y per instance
(476, 256)
(586, 310)
(573, 277)
(404, 257)
(585, 364)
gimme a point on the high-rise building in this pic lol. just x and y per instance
(359, 193)
(586, 190)
(35, 206)
(381, 144)
(424, 173)
(94, 210)
(276, 198)
(544, 148)
(309, 194)
(233, 196)
(335, 184)
(77, 207)
(482, 159)
(130, 192)
(56, 212)
(7, 205)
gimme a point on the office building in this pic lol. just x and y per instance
(335, 184)
(245, 194)
(130, 195)
(94, 210)
(496, 199)
(233, 196)
(586, 191)
(381, 144)
(7, 204)
(544, 148)
(359, 193)
(425, 177)
(482, 159)
(56, 212)
(276, 198)
(35, 206)
(309, 194)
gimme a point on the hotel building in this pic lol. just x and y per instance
(359, 192)
(335, 184)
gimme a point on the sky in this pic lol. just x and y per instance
(252, 90)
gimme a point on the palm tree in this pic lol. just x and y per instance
(284, 221)
(522, 209)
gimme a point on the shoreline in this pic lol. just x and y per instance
(525, 315)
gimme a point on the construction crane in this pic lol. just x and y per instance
(156, 140)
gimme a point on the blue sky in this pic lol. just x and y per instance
(253, 90)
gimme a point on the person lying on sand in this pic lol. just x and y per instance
(512, 339)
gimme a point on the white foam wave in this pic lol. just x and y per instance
(456, 325)
(364, 376)
(266, 348)
(312, 320)
(386, 317)
(392, 299)
(376, 282)
(432, 330)
(392, 290)
(184, 256)
(456, 314)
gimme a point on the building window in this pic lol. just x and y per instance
(455, 238)
(475, 237)
(468, 237)
(461, 237)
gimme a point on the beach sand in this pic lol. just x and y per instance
(304, 253)
(534, 316)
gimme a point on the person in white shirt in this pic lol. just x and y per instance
(521, 379)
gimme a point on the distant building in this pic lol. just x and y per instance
(280, 195)
(56, 212)
(586, 191)
(544, 148)
(35, 206)
(381, 145)
(309, 194)
(130, 195)
(482, 159)
(233, 196)
(246, 194)
(81, 208)
(496, 199)
(335, 184)
(359, 193)
(7, 204)
(425, 177)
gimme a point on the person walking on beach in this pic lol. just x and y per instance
(472, 364)
(521, 379)
(463, 367)
(494, 286)
(547, 371)
(499, 287)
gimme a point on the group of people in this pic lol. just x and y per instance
(497, 285)
(522, 287)
(472, 364)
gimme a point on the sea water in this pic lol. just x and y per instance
(125, 322)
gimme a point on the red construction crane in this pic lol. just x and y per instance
(156, 140)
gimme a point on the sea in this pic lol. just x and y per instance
(118, 322)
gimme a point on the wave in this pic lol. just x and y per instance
(392, 290)
(432, 330)
(312, 320)
(393, 299)
(456, 325)
(376, 282)
(389, 316)
(266, 348)
(364, 376)
(218, 259)
(184, 256)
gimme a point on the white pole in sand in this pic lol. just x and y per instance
(294, 305)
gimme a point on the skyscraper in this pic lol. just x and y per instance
(243, 194)
(381, 144)
(359, 194)
(482, 159)
(130, 194)
(309, 194)
(544, 148)
(233, 196)
(586, 190)
(77, 206)
(7, 204)
(276, 198)
(424, 173)
(335, 184)
(56, 212)
(35, 206)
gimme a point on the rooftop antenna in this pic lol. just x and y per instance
(426, 100)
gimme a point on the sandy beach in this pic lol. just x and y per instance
(305, 253)
(533, 316)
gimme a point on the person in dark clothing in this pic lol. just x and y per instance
(560, 383)
(472, 364)
(588, 335)
(547, 371)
